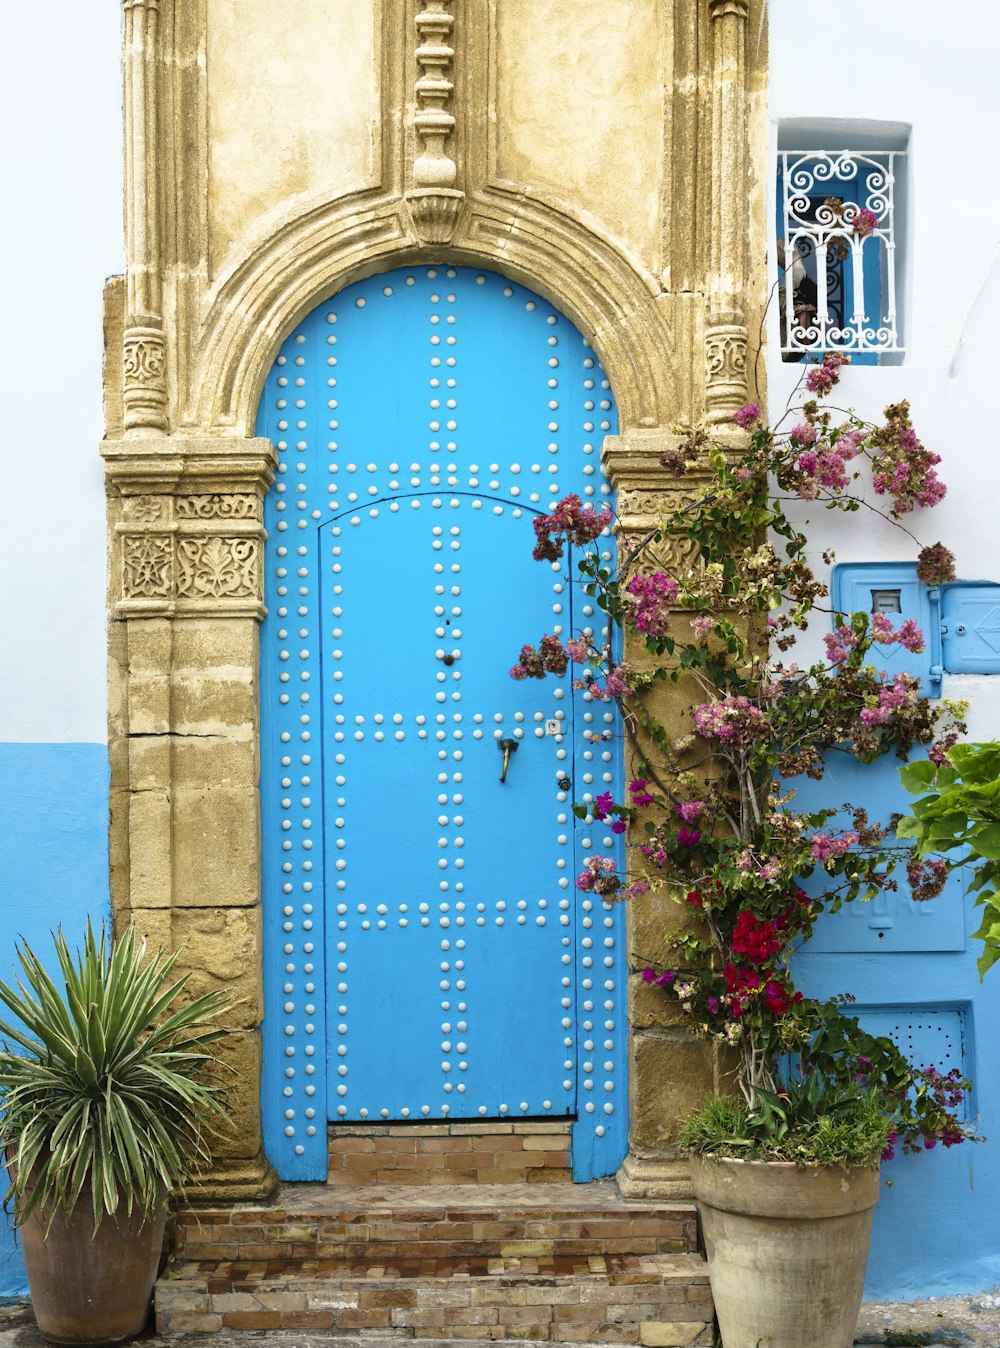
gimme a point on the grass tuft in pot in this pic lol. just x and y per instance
(811, 1121)
(108, 1087)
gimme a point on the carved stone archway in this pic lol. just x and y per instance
(191, 331)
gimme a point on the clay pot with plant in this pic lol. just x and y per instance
(107, 1090)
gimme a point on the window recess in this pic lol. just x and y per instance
(837, 253)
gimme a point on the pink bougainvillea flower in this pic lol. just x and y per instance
(640, 796)
(865, 222)
(822, 378)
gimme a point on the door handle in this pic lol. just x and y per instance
(506, 747)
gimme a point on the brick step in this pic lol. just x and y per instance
(386, 1225)
(661, 1301)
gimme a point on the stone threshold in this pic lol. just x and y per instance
(493, 1152)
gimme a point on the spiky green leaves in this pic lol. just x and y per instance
(103, 1087)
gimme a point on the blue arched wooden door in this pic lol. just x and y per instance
(427, 955)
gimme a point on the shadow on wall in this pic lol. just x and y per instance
(53, 872)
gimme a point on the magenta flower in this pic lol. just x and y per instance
(747, 415)
(732, 719)
(901, 693)
(865, 223)
(603, 805)
(687, 837)
(770, 870)
(926, 877)
(651, 599)
(839, 644)
(936, 565)
(615, 685)
(549, 658)
(640, 796)
(571, 521)
(598, 876)
(690, 810)
(911, 637)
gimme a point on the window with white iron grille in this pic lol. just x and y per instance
(837, 253)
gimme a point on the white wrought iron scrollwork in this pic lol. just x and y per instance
(837, 251)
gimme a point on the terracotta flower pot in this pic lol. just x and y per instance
(89, 1288)
(787, 1249)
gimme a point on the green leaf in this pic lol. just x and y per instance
(985, 840)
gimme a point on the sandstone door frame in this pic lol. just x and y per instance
(187, 352)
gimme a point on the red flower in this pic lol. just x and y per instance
(739, 982)
(778, 999)
(694, 898)
(756, 937)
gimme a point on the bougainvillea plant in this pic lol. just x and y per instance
(711, 814)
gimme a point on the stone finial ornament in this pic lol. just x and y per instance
(433, 200)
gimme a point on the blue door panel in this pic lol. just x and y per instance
(427, 954)
(891, 922)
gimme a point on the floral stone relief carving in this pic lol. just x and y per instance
(217, 568)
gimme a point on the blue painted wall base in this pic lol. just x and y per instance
(53, 872)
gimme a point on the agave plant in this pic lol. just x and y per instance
(104, 1090)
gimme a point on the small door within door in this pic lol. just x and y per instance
(450, 935)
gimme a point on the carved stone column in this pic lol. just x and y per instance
(143, 348)
(433, 199)
(726, 332)
(186, 595)
(670, 1071)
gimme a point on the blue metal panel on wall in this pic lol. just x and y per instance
(859, 586)
(930, 1034)
(427, 955)
(970, 626)
(891, 922)
(53, 872)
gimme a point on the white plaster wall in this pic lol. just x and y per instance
(938, 71)
(60, 235)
